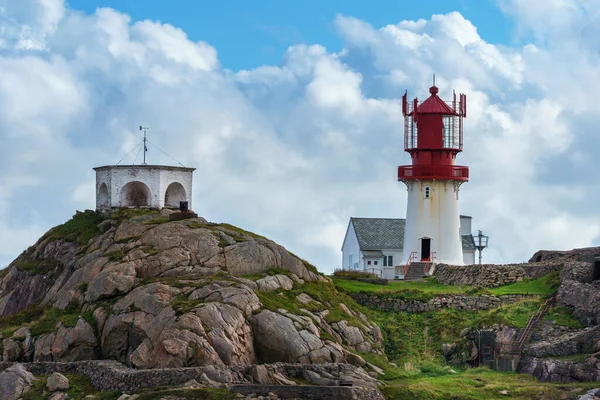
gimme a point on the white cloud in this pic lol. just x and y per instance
(292, 151)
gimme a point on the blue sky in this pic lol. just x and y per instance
(248, 34)
(290, 111)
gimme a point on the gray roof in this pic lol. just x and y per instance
(372, 253)
(377, 234)
(468, 243)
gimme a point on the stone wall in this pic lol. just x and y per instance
(111, 375)
(460, 302)
(492, 275)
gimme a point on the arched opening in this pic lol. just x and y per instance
(102, 196)
(135, 194)
(174, 194)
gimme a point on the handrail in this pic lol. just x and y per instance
(429, 262)
(535, 319)
(411, 258)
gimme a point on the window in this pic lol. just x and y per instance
(388, 261)
(350, 261)
(368, 262)
(427, 192)
(375, 262)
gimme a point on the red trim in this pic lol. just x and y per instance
(439, 172)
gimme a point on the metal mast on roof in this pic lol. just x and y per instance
(145, 148)
(144, 142)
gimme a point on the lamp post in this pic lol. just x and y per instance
(481, 243)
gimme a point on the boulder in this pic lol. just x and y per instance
(270, 283)
(56, 382)
(113, 280)
(14, 382)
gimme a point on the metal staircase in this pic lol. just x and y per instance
(514, 349)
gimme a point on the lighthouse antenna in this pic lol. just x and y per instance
(145, 147)
(433, 79)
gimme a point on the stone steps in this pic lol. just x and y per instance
(415, 271)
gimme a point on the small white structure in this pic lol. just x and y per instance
(152, 186)
(376, 245)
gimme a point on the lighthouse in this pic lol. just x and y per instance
(433, 136)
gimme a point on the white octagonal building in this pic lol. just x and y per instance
(149, 186)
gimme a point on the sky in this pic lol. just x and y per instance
(291, 113)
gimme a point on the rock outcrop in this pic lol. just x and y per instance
(14, 382)
(156, 294)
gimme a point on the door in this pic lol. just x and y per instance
(425, 248)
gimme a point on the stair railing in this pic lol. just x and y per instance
(428, 263)
(411, 258)
(534, 320)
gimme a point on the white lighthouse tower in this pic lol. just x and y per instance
(433, 138)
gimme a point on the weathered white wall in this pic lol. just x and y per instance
(156, 178)
(102, 177)
(437, 218)
(372, 268)
(350, 246)
(468, 257)
(465, 225)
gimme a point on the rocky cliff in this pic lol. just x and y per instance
(151, 293)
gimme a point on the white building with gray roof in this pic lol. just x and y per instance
(376, 245)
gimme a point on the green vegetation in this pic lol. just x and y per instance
(79, 229)
(428, 288)
(42, 320)
(325, 296)
(351, 274)
(36, 266)
(563, 316)
(195, 394)
(576, 358)
(115, 255)
(545, 285)
(407, 290)
(157, 221)
(270, 272)
(480, 383)
(79, 387)
(128, 213)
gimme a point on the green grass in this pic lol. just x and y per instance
(79, 387)
(196, 394)
(563, 316)
(480, 383)
(428, 288)
(39, 319)
(115, 255)
(36, 266)
(325, 296)
(127, 213)
(79, 229)
(576, 358)
(415, 338)
(542, 286)
(157, 221)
